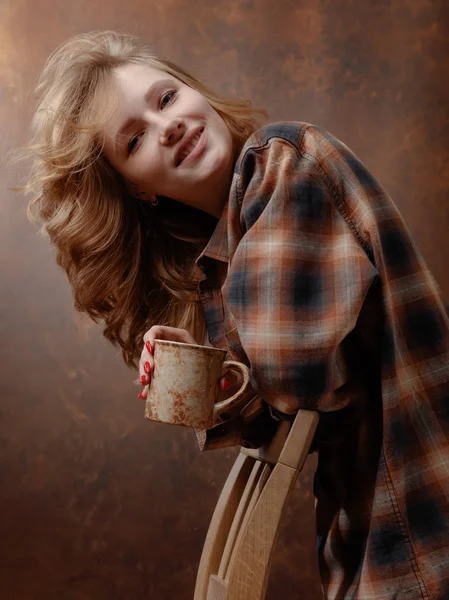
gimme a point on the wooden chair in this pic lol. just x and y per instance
(237, 553)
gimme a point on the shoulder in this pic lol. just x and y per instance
(288, 134)
(296, 146)
(305, 138)
(273, 170)
(293, 143)
(289, 131)
(285, 151)
(284, 163)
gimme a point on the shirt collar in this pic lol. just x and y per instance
(217, 246)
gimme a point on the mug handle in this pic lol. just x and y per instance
(234, 400)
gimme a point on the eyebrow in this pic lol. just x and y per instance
(147, 97)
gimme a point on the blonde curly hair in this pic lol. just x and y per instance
(129, 265)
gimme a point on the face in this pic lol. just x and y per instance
(165, 139)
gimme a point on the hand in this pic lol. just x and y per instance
(228, 384)
(146, 363)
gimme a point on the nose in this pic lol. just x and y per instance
(171, 131)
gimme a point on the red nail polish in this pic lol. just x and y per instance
(147, 367)
(143, 379)
(149, 348)
(139, 395)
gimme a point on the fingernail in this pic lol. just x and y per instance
(147, 367)
(142, 395)
(143, 379)
(149, 348)
(225, 384)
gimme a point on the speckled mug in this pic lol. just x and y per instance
(185, 385)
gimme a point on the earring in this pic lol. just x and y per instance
(151, 199)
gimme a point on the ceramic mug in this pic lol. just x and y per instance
(185, 385)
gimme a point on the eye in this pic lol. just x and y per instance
(134, 142)
(167, 98)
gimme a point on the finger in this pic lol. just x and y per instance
(143, 394)
(161, 332)
(224, 383)
(146, 364)
(158, 332)
(145, 358)
(231, 382)
(145, 379)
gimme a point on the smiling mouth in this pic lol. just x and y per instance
(190, 147)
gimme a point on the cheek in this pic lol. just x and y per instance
(227, 145)
(147, 165)
(224, 133)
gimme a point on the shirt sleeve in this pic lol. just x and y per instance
(298, 275)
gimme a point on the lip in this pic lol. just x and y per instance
(199, 148)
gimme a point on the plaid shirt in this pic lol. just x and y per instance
(313, 281)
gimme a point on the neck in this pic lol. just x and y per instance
(213, 205)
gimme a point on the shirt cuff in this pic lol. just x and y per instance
(253, 427)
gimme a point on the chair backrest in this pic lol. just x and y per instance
(237, 552)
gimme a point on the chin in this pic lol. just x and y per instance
(222, 161)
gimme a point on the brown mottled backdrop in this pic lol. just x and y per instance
(95, 502)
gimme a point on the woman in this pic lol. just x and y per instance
(176, 217)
